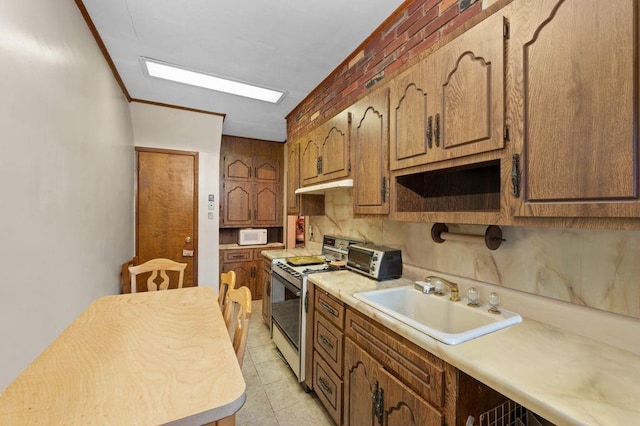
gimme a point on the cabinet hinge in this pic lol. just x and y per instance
(349, 166)
(378, 403)
(506, 133)
(349, 117)
(515, 176)
(384, 190)
(506, 31)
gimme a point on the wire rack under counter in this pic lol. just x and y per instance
(511, 413)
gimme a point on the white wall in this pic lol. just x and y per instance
(66, 176)
(171, 128)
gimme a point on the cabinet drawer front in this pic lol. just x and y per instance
(328, 341)
(237, 255)
(422, 371)
(328, 387)
(331, 308)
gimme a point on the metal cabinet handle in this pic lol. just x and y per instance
(326, 342)
(328, 309)
(324, 386)
(436, 130)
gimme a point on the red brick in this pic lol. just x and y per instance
(442, 20)
(446, 4)
(402, 39)
(424, 45)
(423, 22)
(461, 18)
(392, 26)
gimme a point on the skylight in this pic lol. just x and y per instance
(221, 84)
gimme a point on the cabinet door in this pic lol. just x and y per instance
(469, 72)
(293, 177)
(309, 154)
(266, 292)
(268, 203)
(334, 147)
(237, 205)
(236, 158)
(576, 78)
(402, 406)
(243, 273)
(360, 378)
(411, 131)
(370, 141)
(267, 162)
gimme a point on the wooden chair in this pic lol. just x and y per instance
(158, 268)
(227, 281)
(239, 301)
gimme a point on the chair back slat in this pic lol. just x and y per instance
(159, 279)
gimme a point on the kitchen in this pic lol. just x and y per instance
(569, 264)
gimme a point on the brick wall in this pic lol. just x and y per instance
(414, 27)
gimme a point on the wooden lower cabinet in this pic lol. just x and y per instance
(328, 341)
(374, 397)
(389, 380)
(249, 268)
(266, 291)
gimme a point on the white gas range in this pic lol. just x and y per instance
(289, 298)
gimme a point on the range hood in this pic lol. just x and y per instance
(324, 187)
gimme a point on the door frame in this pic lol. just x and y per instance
(195, 155)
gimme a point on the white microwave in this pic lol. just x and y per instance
(248, 237)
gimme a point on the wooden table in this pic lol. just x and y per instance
(145, 358)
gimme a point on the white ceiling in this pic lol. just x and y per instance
(290, 45)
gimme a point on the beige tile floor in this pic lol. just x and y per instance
(274, 397)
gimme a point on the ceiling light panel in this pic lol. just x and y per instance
(178, 74)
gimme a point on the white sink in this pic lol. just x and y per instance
(437, 316)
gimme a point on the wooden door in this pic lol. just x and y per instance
(402, 406)
(576, 78)
(411, 129)
(267, 204)
(334, 147)
(237, 205)
(360, 377)
(293, 177)
(469, 118)
(166, 208)
(370, 141)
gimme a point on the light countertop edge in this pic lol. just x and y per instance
(561, 376)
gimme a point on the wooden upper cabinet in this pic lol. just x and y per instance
(469, 71)
(293, 177)
(576, 81)
(251, 184)
(410, 98)
(324, 152)
(309, 154)
(451, 104)
(238, 203)
(335, 161)
(370, 144)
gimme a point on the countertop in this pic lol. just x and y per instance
(564, 377)
(154, 357)
(269, 246)
(279, 254)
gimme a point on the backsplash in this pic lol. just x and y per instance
(597, 269)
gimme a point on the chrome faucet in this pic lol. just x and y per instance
(453, 287)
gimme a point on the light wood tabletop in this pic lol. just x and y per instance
(146, 358)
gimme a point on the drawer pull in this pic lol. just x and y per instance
(328, 309)
(325, 387)
(238, 256)
(326, 342)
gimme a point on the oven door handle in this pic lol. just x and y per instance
(295, 290)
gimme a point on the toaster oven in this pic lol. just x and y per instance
(377, 262)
